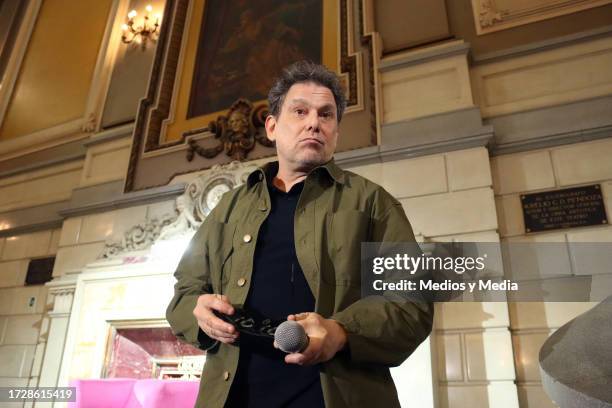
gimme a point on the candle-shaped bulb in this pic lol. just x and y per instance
(149, 8)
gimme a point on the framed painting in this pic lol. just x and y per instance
(216, 60)
(242, 47)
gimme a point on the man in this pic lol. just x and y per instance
(286, 244)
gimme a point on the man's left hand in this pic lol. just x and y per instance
(326, 338)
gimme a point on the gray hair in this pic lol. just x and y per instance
(305, 71)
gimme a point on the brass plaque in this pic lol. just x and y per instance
(567, 208)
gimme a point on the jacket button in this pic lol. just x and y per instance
(241, 282)
(226, 375)
(247, 238)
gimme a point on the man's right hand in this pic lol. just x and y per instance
(210, 324)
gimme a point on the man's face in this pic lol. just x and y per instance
(306, 129)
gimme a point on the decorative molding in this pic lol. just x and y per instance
(110, 196)
(539, 46)
(105, 162)
(490, 17)
(110, 134)
(426, 82)
(422, 55)
(32, 219)
(62, 290)
(468, 142)
(568, 74)
(44, 186)
(43, 159)
(236, 132)
(440, 133)
(84, 201)
(137, 238)
(77, 129)
(182, 368)
(157, 280)
(575, 122)
(488, 14)
(111, 41)
(19, 49)
(90, 124)
(192, 207)
(156, 109)
(44, 139)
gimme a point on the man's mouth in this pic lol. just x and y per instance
(312, 140)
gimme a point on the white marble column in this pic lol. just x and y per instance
(61, 290)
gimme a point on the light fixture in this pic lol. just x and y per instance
(141, 33)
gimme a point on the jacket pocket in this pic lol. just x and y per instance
(347, 229)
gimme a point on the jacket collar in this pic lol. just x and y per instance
(269, 170)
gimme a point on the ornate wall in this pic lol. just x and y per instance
(467, 114)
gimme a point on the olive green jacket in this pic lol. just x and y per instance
(336, 211)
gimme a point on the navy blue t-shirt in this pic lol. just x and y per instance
(278, 289)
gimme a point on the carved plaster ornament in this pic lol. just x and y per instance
(488, 13)
(237, 132)
(90, 125)
(192, 207)
(139, 237)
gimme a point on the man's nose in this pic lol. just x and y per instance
(313, 121)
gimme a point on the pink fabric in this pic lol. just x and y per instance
(133, 393)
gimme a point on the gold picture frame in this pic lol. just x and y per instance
(163, 131)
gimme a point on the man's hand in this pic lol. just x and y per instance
(214, 327)
(326, 338)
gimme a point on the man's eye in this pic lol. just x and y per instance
(300, 111)
(327, 115)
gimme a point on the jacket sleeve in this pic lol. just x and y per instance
(192, 280)
(386, 329)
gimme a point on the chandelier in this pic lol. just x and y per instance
(141, 31)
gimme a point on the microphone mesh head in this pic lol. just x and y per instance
(291, 337)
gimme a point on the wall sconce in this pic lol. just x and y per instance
(140, 33)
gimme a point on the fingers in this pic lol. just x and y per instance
(310, 356)
(299, 316)
(212, 325)
(218, 329)
(220, 303)
(215, 323)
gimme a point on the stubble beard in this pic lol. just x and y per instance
(307, 161)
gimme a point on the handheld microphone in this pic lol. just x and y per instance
(291, 337)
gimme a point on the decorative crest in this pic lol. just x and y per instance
(237, 132)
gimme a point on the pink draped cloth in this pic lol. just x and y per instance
(134, 393)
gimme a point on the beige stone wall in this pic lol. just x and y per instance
(485, 354)
(560, 167)
(446, 197)
(39, 187)
(24, 329)
(22, 308)
(547, 78)
(83, 238)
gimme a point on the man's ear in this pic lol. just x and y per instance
(270, 127)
